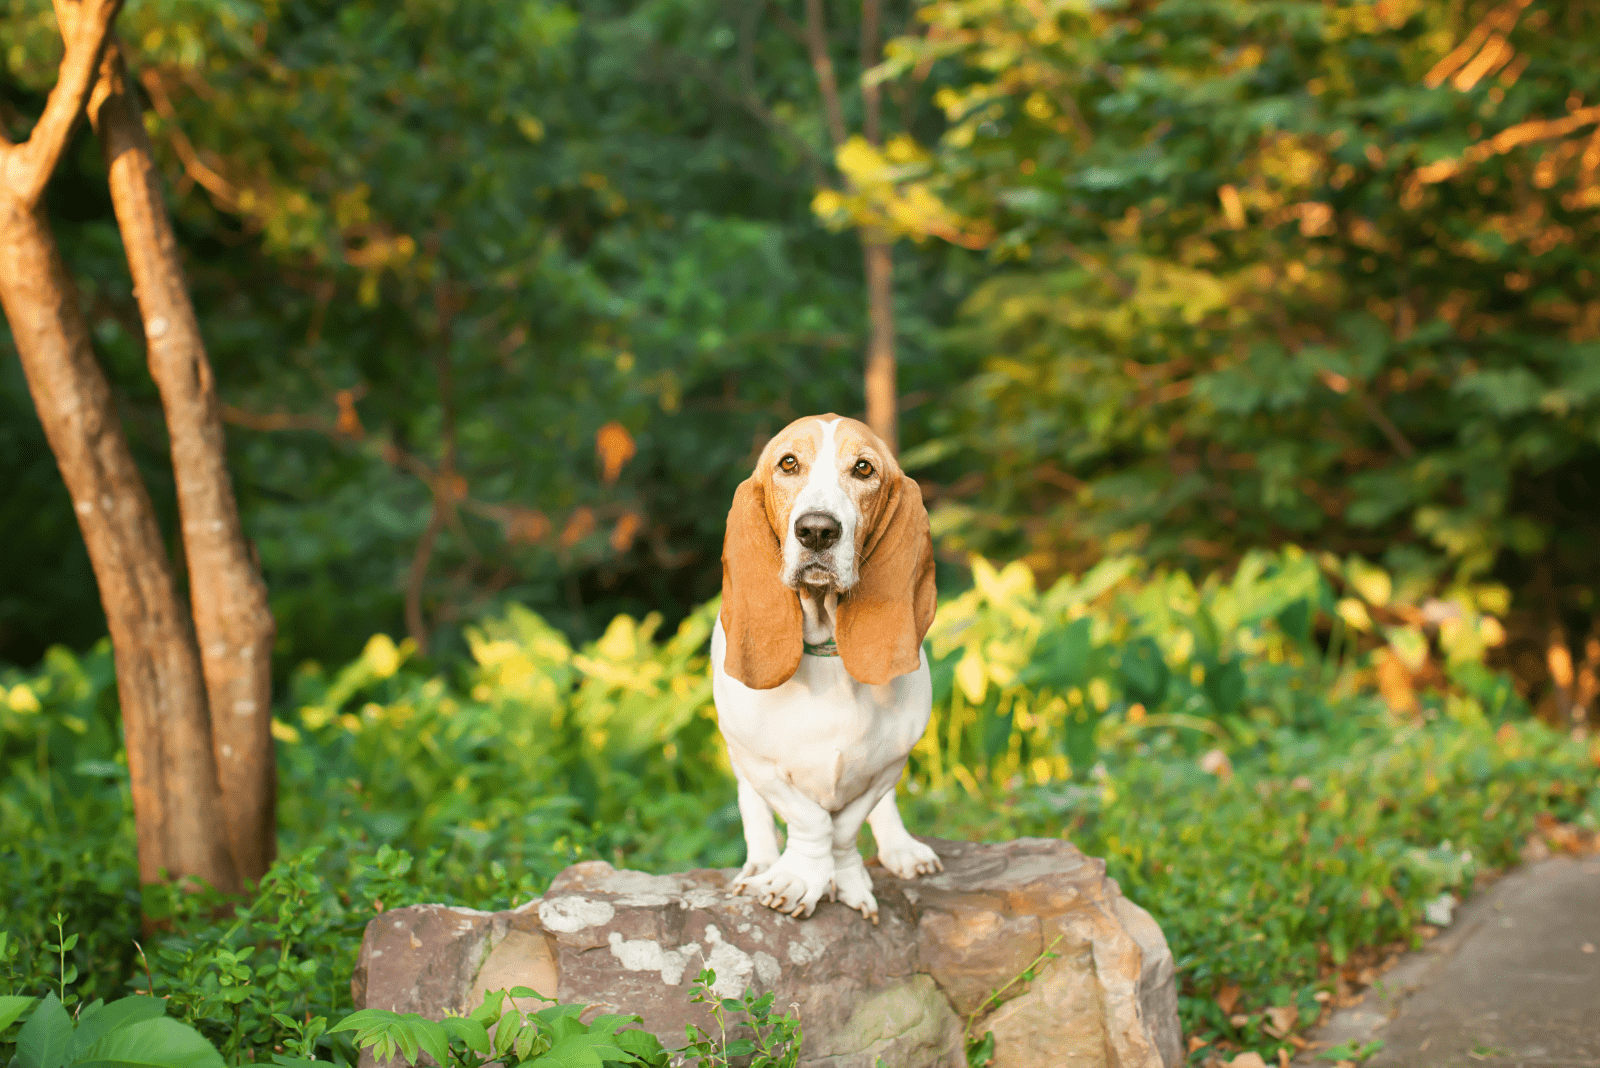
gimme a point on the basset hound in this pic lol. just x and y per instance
(820, 681)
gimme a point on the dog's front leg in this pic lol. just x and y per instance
(760, 835)
(799, 877)
(897, 850)
(851, 883)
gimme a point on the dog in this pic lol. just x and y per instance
(818, 674)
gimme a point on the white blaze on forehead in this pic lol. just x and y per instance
(824, 469)
(824, 493)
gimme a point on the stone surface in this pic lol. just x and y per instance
(1509, 984)
(948, 951)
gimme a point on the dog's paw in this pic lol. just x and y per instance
(909, 859)
(751, 869)
(853, 886)
(793, 885)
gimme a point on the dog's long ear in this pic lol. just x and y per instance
(760, 615)
(884, 618)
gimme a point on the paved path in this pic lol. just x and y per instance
(1514, 983)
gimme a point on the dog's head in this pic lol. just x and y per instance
(827, 509)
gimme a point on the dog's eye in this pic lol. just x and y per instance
(863, 469)
(788, 465)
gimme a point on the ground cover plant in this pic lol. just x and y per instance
(1278, 766)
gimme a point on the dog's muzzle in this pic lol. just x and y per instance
(818, 534)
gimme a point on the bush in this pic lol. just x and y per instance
(1224, 746)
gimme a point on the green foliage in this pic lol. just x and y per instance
(131, 1032)
(773, 1038)
(498, 1032)
(1274, 271)
(471, 236)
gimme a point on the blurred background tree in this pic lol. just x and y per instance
(503, 296)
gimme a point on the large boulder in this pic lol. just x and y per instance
(1028, 939)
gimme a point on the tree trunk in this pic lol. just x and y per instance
(171, 767)
(882, 393)
(232, 620)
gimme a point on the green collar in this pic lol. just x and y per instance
(827, 648)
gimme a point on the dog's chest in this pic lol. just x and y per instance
(822, 730)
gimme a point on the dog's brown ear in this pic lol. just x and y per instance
(760, 615)
(884, 618)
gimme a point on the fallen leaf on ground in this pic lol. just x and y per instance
(1228, 997)
(1281, 1019)
(1196, 1042)
(1247, 1060)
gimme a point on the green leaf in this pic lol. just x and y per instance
(158, 1043)
(406, 1038)
(12, 1007)
(528, 992)
(489, 1011)
(582, 1051)
(124, 1012)
(1144, 673)
(527, 1035)
(364, 1018)
(433, 1038)
(607, 1023)
(46, 1039)
(469, 1031)
(642, 1044)
(1225, 686)
(1295, 621)
(1061, 657)
(505, 1033)
(996, 741)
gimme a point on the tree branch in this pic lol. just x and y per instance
(85, 26)
(817, 45)
(223, 193)
(444, 483)
(871, 91)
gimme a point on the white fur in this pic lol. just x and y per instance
(821, 750)
(823, 493)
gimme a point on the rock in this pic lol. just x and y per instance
(949, 953)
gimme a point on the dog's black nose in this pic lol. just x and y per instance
(817, 531)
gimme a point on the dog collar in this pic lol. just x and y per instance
(827, 648)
